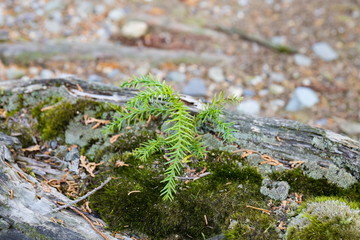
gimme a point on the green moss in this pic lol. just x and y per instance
(14, 104)
(310, 187)
(326, 218)
(251, 224)
(53, 122)
(223, 193)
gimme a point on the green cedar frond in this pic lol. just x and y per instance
(149, 148)
(213, 113)
(181, 140)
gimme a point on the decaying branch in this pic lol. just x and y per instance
(284, 140)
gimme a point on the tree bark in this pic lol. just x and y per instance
(24, 204)
(285, 140)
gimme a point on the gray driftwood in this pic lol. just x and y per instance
(31, 207)
(28, 52)
(284, 140)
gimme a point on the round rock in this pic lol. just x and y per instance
(302, 60)
(325, 51)
(216, 74)
(175, 76)
(250, 107)
(134, 29)
(196, 87)
(302, 97)
(116, 14)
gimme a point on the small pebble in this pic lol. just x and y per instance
(325, 51)
(195, 87)
(302, 97)
(251, 107)
(4, 35)
(276, 104)
(93, 78)
(278, 40)
(276, 89)
(14, 73)
(175, 76)
(46, 73)
(216, 74)
(117, 14)
(134, 29)
(302, 60)
(53, 26)
(236, 91)
(277, 77)
(256, 80)
(249, 93)
(53, 144)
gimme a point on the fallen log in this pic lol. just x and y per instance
(25, 53)
(27, 209)
(285, 140)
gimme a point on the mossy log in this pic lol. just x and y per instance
(284, 140)
(26, 205)
(287, 142)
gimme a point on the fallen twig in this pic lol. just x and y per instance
(83, 197)
(261, 41)
(88, 220)
(195, 177)
(260, 209)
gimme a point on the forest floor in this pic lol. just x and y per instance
(265, 77)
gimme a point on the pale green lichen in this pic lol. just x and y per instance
(325, 219)
(332, 173)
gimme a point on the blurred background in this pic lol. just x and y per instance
(290, 59)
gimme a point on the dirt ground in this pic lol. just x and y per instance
(174, 25)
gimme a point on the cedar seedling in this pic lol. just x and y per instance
(181, 139)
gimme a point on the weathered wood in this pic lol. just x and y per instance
(281, 48)
(31, 207)
(282, 139)
(63, 50)
(26, 205)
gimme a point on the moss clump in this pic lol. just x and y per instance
(251, 224)
(53, 122)
(311, 187)
(131, 201)
(324, 219)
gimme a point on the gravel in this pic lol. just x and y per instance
(325, 51)
(302, 60)
(195, 87)
(302, 97)
(175, 76)
(251, 107)
(216, 74)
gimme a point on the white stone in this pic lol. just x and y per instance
(256, 80)
(277, 77)
(53, 26)
(46, 73)
(325, 51)
(14, 73)
(236, 91)
(302, 97)
(134, 29)
(302, 60)
(250, 107)
(117, 14)
(276, 89)
(216, 74)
